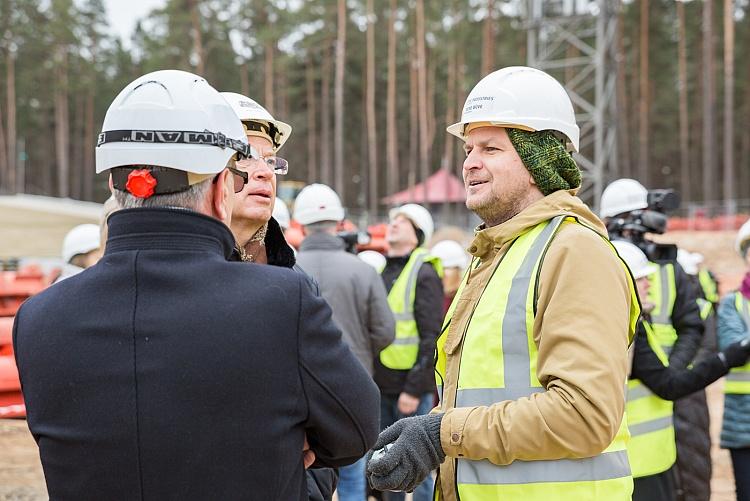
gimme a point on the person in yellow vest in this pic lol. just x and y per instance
(734, 325)
(652, 386)
(532, 358)
(404, 371)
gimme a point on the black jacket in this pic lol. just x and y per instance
(167, 372)
(428, 313)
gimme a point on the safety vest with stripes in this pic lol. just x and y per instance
(402, 353)
(662, 293)
(708, 285)
(498, 362)
(738, 379)
(651, 448)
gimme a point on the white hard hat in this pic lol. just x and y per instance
(173, 119)
(451, 254)
(281, 213)
(418, 215)
(623, 195)
(373, 258)
(316, 203)
(634, 257)
(80, 240)
(523, 98)
(743, 239)
(688, 261)
(249, 110)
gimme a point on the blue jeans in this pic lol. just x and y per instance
(352, 479)
(389, 414)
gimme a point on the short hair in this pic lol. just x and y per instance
(190, 198)
(320, 226)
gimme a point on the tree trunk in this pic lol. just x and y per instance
(460, 99)
(244, 79)
(62, 133)
(391, 122)
(89, 143)
(488, 40)
(413, 122)
(623, 127)
(424, 147)
(709, 103)
(76, 146)
(683, 99)
(450, 112)
(325, 116)
(744, 173)
(5, 185)
(339, 101)
(643, 105)
(729, 180)
(372, 143)
(312, 173)
(11, 110)
(198, 49)
(268, 74)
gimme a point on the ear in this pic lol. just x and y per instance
(222, 200)
(111, 184)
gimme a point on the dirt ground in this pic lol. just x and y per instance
(20, 472)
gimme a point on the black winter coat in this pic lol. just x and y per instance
(167, 372)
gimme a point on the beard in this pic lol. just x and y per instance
(495, 208)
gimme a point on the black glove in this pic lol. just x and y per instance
(413, 451)
(736, 354)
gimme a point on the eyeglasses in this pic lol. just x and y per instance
(240, 178)
(278, 165)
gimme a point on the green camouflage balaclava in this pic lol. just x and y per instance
(546, 158)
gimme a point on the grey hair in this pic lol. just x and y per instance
(188, 199)
(321, 226)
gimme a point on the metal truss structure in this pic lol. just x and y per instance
(574, 40)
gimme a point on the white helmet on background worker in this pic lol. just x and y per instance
(688, 261)
(622, 195)
(373, 258)
(82, 239)
(172, 119)
(419, 217)
(281, 213)
(316, 203)
(451, 254)
(743, 239)
(258, 120)
(511, 97)
(635, 258)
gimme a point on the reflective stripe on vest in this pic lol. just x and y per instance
(402, 353)
(663, 293)
(738, 379)
(651, 448)
(708, 285)
(705, 307)
(492, 371)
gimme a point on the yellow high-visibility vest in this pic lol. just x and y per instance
(652, 447)
(708, 285)
(498, 362)
(662, 293)
(738, 379)
(402, 353)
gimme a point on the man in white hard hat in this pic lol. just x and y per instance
(81, 249)
(353, 290)
(454, 260)
(654, 384)
(632, 212)
(167, 371)
(532, 358)
(404, 371)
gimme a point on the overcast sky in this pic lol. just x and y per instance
(123, 14)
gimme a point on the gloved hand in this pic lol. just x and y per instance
(413, 451)
(736, 354)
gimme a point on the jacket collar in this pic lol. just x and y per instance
(167, 229)
(322, 241)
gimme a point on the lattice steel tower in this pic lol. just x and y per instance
(574, 40)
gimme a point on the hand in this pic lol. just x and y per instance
(414, 450)
(308, 456)
(407, 404)
(736, 354)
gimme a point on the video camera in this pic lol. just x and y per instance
(353, 238)
(634, 225)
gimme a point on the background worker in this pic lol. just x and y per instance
(654, 384)
(354, 291)
(454, 260)
(734, 325)
(188, 375)
(81, 249)
(532, 360)
(281, 214)
(404, 370)
(630, 212)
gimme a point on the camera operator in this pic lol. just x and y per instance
(630, 212)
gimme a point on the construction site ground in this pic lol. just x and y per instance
(20, 471)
